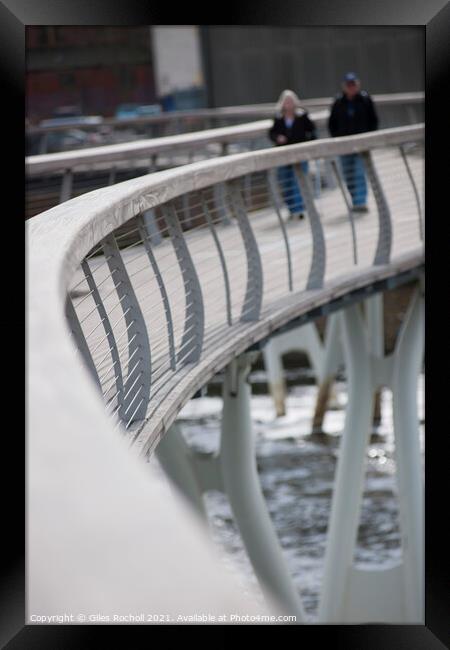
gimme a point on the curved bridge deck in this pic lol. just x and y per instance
(222, 341)
(164, 280)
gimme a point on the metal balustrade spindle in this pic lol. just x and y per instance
(193, 292)
(254, 290)
(130, 410)
(317, 270)
(383, 251)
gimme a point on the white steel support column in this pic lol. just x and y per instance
(331, 358)
(324, 359)
(343, 526)
(177, 460)
(408, 359)
(350, 593)
(305, 337)
(275, 375)
(242, 486)
(332, 355)
(375, 325)
(394, 594)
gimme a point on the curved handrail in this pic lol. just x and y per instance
(231, 112)
(93, 510)
(187, 142)
(59, 239)
(43, 163)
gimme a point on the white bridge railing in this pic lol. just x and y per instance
(161, 152)
(156, 307)
(176, 122)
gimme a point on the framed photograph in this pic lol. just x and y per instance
(226, 321)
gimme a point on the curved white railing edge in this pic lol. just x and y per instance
(63, 161)
(59, 238)
(71, 229)
(103, 531)
(44, 163)
(102, 534)
(265, 109)
(41, 163)
(192, 379)
(90, 505)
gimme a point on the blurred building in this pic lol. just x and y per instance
(179, 76)
(247, 65)
(94, 68)
(189, 66)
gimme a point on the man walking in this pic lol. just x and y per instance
(353, 112)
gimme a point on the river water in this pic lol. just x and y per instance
(297, 473)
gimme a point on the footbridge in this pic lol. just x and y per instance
(129, 318)
(409, 105)
(57, 177)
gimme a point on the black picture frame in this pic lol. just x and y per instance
(434, 16)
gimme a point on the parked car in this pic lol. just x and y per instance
(70, 116)
(70, 139)
(74, 137)
(130, 111)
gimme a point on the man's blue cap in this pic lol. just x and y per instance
(350, 76)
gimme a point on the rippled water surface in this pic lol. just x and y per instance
(297, 474)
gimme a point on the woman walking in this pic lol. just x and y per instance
(291, 125)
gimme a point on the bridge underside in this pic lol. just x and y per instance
(355, 338)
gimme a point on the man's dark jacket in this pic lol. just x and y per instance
(302, 129)
(355, 116)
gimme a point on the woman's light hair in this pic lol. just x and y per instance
(284, 95)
